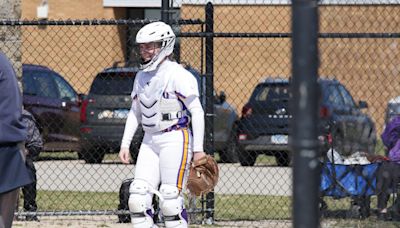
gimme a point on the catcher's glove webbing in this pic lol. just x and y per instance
(203, 175)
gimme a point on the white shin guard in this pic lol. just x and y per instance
(175, 215)
(140, 206)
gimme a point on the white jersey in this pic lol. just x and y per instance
(178, 89)
(160, 96)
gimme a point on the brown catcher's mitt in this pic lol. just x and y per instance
(203, 175)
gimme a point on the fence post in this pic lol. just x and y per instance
(304, 143)
(209, 132)
(165, 11)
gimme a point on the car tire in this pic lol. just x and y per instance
(230, 153)
(283, 158)
(247, 158)
(93, 155)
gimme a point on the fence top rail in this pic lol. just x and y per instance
(11, 22)
(287, 35)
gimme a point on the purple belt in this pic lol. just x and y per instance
(175, 128)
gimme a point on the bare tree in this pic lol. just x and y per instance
(10, 36)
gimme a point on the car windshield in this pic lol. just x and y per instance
(115, 83)
(272, 93)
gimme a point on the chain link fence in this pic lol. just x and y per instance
(79, 173)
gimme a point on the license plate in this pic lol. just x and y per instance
(121, 113)
(279, 139)
(106, 114)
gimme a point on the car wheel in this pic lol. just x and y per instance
(247, 158)
(283, 158)
(230, 153)
(93, 155)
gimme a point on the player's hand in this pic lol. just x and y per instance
(198, 155)
(124, 155)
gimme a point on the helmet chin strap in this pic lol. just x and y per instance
(143, 61)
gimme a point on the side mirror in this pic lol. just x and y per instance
(222, 97)
(362, 104)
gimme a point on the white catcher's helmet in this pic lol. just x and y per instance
(156, 32)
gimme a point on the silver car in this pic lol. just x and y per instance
(225, 121)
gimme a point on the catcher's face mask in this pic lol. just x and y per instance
(148, 51)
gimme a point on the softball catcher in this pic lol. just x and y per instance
(163, 95)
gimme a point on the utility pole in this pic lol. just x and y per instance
(10, 36)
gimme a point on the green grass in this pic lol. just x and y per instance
(68, 200)
(380, 148)
(58, 156)
(248, 207)
(227, 207)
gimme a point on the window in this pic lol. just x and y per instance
(272, 93)
(348, 99)
(45, 84)
(113, 84)
(333, 95)
(28, 84)
(65, 90)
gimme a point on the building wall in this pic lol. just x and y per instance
(76, 52)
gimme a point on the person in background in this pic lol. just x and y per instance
(13, 171)
(33, 146)
(388, 177)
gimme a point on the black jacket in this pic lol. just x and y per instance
(34, 142)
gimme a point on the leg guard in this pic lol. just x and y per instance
(172, 207)
(140, 204)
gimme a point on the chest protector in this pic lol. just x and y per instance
(159, 112)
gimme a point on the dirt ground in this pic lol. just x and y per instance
(111, 221)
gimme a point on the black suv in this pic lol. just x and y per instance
(55, 105)
(264, 124)
(104, 113)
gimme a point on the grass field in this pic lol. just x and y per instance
(227, 207)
